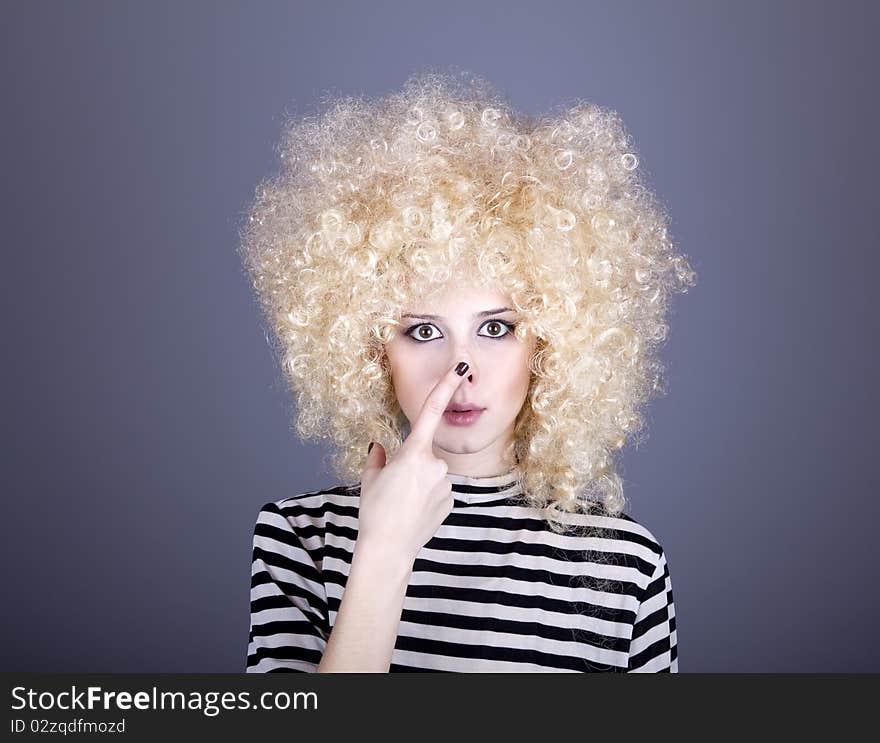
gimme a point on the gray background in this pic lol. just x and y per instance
(145, 419)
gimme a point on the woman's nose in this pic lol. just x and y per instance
(468, 359)
(465, 349)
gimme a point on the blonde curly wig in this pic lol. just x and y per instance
(379, 202)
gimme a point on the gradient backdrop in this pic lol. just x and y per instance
(146, 421)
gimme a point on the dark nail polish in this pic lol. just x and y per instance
(461, 368)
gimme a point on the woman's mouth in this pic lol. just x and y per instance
(462, 417)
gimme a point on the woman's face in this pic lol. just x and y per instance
(471, 325)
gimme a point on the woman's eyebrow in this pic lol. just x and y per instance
(477, 314)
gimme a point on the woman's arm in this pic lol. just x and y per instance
(365, 630)
(654, 645)
(289, 613)
(402, 504)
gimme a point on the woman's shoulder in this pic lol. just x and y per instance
(620, 533)
(309, 498)
(629, 527)
(312, 506)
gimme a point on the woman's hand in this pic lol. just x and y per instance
(402, 504)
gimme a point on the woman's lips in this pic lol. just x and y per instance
(462, 419)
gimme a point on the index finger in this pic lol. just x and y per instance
(423, 430)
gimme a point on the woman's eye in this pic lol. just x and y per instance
(423, 332)
(498, 329)
(428, 332)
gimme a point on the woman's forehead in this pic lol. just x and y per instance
(453, 299)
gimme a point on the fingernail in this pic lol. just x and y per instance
(461, 368)
(369, 447)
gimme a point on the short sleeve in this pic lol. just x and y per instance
(654, 648)
(288, 627)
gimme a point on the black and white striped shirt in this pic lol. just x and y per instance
(494, 590)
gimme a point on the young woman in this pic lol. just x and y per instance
(480, 297)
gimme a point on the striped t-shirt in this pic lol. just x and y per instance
(494, 590)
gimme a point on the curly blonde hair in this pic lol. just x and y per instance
(380, 202)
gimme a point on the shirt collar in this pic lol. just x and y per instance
(493, 488)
